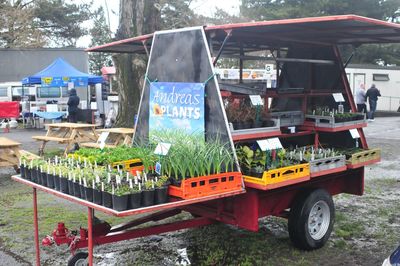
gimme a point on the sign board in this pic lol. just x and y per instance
(176, 106)
(162, 148)
(112, 98)
(354, 133)
(270, 144)
(64, 82)
(338, 97)
(103, 136)
(256, 100)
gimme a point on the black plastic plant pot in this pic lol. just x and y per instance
(77, 190)
(71, 187)
(161, 195)
(107, 199)
(97, 197)
(22, 171)
(120, 203)
(83, 192)
(34, 175)
(27, 173)
(38, 177)
(64, 185)
(44, 178)
(147, 198)
(50, 181)
(57, 182)
(89, 194)
(135, 200)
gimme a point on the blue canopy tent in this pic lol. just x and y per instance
(59, 74)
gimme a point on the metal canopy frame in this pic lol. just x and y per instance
(328, 30)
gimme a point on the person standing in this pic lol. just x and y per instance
(372, 95)
(360, 99)
(73, 102)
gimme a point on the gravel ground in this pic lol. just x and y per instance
(366, 229)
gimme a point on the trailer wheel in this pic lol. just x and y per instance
(79, 259)
(311, 219)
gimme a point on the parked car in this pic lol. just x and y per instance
(393, 259)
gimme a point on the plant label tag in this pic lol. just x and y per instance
(256, 100)
(354, 133)
(275, 143)
(162, 148)
(264, 144)
(338, 97)
(158, 168)
(102, 138)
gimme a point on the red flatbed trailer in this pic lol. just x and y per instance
(309, 201)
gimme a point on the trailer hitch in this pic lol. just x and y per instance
(61, 235)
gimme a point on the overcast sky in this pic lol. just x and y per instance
(203, 7)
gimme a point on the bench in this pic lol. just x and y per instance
(48, 138)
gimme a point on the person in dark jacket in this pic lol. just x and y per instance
(73, 102)
(372, 96)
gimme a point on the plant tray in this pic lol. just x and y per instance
(279, 177)
(362, 158)
(291, 118)
(328, 165)
(329, 122)
(251, 133)
(203, 186)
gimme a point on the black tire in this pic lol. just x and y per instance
(299, 227)
(79, 259)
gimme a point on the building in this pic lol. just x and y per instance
(15, 64)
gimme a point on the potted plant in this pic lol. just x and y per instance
(106, 195)
(120, 198)
(161, 190)
(22, 166)
(57, 177)
(135, 197)
(50, 176)
(148, 193)
(63, 179)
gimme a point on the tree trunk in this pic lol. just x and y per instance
(137, 17)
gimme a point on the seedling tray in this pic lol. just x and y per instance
(279, 177)
(327, 165)
(363, 158)
(252, 133)
(203, 186)
(291, 118)
(329, 122)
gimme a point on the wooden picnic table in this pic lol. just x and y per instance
(10, 153)
(69, 134)
(116, 137)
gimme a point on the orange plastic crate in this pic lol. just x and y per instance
(197, 187)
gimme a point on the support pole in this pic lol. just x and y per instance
(228, 35)
(36, 227)
(90, 236)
